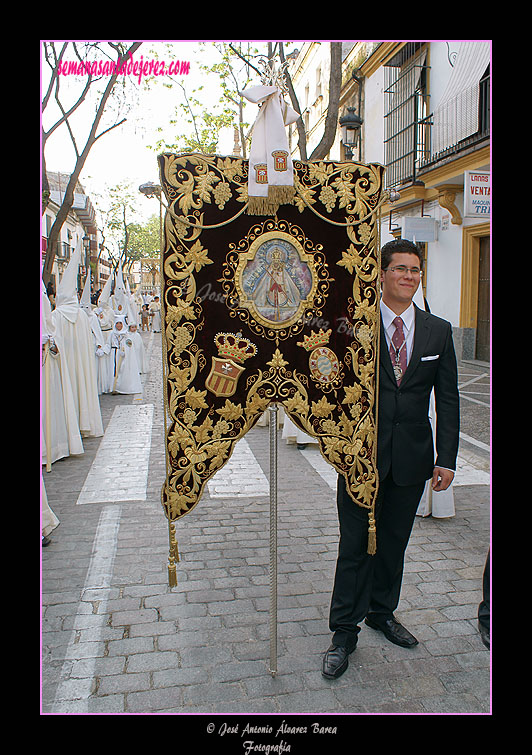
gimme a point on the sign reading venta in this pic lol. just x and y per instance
(477, 193)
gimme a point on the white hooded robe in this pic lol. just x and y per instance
(140, 351)
(60, 430)
(75, 342)
(105, 315)
(126, 373)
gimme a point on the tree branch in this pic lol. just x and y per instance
(244, 59)
(54, 72)
(109, 129)
(68, 199)
(65, 115)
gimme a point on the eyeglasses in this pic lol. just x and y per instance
(403, 270)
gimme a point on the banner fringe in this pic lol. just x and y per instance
(269, 205)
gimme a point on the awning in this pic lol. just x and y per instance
(456, 115)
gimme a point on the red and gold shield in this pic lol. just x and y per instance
(261, 173)
(223, 377)
(280, 157)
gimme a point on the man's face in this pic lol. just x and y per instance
(398, 288)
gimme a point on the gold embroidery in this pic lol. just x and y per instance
(204, 423)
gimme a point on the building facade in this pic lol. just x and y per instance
(424, 113)
(80, 225)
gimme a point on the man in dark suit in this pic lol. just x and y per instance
(416, 355)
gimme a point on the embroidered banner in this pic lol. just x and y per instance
(260, 309)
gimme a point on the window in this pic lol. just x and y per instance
(318, 82)
(65, 250)
(405, 107)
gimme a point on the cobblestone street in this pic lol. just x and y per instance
(117, 639)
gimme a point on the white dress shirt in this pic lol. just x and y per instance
(408, 317)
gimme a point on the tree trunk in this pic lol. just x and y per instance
(331, 119)
(301, 135)
(68, 199)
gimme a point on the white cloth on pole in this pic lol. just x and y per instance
(270, 167)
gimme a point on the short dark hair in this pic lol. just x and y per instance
(399, 245)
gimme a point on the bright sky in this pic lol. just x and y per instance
(123, 153)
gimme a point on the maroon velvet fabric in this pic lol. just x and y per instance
(260, 309)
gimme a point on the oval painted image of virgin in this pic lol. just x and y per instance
(276, 280)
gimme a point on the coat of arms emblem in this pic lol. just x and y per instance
(261, 173)
(233, 350)
(323, 363)
(280, 157)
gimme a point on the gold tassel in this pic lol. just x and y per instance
(173, 556)
(172, 575)
(372, 535)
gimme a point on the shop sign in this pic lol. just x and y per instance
(418, 229)
(477, 193)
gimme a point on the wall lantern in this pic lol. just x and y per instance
(350, 125)
(150, 189)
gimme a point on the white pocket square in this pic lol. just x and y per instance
(429, 359)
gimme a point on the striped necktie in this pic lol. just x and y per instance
(398, 350)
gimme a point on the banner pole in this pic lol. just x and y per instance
(273, 410)
(47, 406)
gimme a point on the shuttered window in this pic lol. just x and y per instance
(405, 107)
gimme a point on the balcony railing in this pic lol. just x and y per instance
(428, 158)
(412, 146)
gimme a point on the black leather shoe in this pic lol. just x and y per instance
(335, 661)
(393, 631)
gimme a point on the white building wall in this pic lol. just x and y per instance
(444, 255)
(444, 265)
(373, 114)
(312, 86)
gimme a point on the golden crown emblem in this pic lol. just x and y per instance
(234, 346)
(321, 338)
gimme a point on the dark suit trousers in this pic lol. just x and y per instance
(370, 584)
(484, 607)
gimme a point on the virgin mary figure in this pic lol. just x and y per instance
(276, 294)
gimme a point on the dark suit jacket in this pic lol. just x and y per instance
(405, 441)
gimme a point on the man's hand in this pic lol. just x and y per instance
(441, 478)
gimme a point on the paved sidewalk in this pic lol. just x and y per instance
(117, 639)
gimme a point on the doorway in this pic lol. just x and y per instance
(482, 349)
